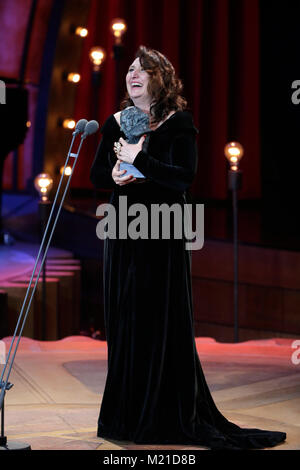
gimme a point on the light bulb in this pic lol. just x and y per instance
(69, 124)
(97, 56)
(118, 27)
(82, 32)
(43, 184)
(73, 77)
(234, 151)
(68, 170)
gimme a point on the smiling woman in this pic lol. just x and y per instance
(153, 86)
(137, 81)
(155, 389)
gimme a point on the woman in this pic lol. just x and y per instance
(155, 390)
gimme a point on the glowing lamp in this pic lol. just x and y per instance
(68, 170)
(73, 77)
(82, 32)
(97, 56)
(69, 124)
(118, 27)
(43, 184)
(233, 152)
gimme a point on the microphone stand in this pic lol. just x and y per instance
(4, 383)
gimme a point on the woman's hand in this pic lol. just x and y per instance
(128, 152)
(116, 175)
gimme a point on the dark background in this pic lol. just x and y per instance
(279, 116)
(237, 60)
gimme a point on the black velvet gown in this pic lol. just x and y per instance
(155, 389)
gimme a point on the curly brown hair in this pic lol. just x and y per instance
(164, 86)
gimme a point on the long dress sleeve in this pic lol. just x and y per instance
(177, 175)
(105, 159)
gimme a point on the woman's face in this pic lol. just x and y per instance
(137, 81)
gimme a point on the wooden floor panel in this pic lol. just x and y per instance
(54, 406)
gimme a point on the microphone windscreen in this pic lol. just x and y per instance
(80, 126)
(91, 128)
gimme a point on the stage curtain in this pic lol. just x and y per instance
(14, 15)
(214, 46)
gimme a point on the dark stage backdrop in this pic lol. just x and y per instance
(280, 116)
(14, 19)
(237, 60)
(214, 46)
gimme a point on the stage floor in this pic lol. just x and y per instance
(58, 385)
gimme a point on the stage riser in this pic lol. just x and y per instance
(66, 303)
(73, 315)
(52, 307)
(3, 313)
(264, 309)
(15, 297)
(268, 292)
(63, 299)
(257, 265)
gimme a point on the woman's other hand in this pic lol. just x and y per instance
(117, 175)
(128, 152)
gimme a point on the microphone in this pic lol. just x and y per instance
(85, 128)
(91, 128)
(80, 127)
